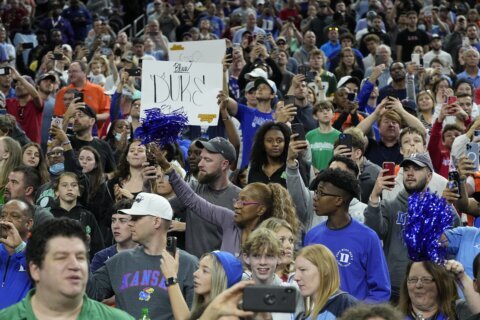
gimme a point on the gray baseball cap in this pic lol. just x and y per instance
(420, 159)
(219, 145)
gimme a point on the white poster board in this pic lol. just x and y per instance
(209, 51)
(174, 85)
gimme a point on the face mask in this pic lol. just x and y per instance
(118, 136)
(57, 168)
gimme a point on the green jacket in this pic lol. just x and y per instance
(91, 310)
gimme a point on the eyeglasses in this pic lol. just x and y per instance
(324, 194)
(423, 280)
(281, 43)
(244, 203)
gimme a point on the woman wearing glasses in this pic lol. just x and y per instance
(256, 203)
(428, 292)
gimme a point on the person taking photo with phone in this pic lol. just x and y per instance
(387, 217)
(150, 219)
(217, 271)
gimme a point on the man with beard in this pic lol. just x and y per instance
(214, 186)
(411, 37)
(80, 19)
(299, 90)
(27, 106)
(23, 36)
(398, 86)
(437, 52)
(387, 217)
(84, 119)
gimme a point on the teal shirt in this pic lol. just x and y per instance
(91, 310)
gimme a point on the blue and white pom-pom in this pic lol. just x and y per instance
(429, 215)
(161, 128)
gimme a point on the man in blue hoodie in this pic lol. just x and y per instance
(16, 220)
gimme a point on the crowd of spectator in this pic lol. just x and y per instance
(332, 115)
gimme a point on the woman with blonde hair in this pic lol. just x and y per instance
(217, 271)
(426, 107)
(317, 276)
(10, 157)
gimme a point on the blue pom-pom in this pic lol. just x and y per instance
(428, 217)
(161, 128)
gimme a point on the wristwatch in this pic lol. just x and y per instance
(170, 281)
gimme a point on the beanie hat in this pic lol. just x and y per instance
(232, 266)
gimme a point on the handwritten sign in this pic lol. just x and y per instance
(209, 51)
(192, 86)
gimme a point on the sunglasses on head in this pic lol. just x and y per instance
(332, 29)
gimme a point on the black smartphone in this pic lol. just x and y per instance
(229, 52)
(303, 70)
(172, 245)
(118, 52)
(310, 76)
(345, 139)
(27, 45)
(351, 96)
(454, 181)
(262, 298)
(135, 72)
(300, 129)
(58, 56)
(4, 71)
(289, 100)
(78, 94)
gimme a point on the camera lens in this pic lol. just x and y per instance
(269, 299)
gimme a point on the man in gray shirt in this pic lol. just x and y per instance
(213, 185)
(134, 275)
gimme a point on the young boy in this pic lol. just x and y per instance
(321, 140)
(440, 145)
(261, 252)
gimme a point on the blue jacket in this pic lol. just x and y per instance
(15, 282)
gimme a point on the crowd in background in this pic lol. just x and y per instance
(333, 113)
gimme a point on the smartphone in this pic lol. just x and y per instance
(78, 94)
(454, 181)
(250, 39)
(106, 51)
(58, 56)
(263, 298)
(135, 72)
(118, 52)
(345, 139)
(172, 245)
(4, 71)
(3, 112)
(310, 76)
(57, 122)
(300, 129)
(471, 151)
(351, 96)
(476, 133)
(302, 70)
(378, 60)
(451, 99)
(229, 52)
(416, 58)
(27, 45)
(289, 100)
(390, 166)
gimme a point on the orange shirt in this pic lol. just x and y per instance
(93, 95)
(348, 123)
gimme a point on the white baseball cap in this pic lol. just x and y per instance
(150, 204)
